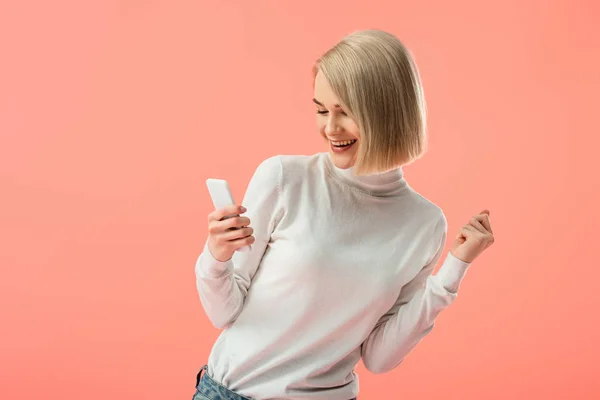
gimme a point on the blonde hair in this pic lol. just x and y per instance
(377, 82)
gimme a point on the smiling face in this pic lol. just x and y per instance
(338, 129)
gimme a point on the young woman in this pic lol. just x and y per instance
(343, 249)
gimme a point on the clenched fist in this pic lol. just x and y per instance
(473, 238)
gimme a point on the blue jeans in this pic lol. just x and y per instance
(209, 389)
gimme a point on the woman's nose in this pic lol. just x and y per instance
(331, 126)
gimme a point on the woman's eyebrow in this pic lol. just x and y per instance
(321, 104)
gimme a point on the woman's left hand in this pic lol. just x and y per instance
(473, 238)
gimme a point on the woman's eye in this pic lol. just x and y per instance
(322, 112)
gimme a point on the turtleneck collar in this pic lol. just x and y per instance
(389, 183)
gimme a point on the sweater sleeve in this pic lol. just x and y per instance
(222, 286)
(412, 317)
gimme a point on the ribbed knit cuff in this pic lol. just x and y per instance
(210, 267)
(452, 272)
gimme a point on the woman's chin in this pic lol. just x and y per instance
(342, 160)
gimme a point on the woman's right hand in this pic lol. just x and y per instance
(228, 234)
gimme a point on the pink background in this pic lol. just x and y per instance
(113, 113)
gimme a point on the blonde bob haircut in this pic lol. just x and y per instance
(377, 83)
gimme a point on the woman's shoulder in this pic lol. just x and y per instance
(286, 167)
(427, 211)
(299, 161)
(291, 165)
(290, 172)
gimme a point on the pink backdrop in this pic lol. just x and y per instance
(113, 113)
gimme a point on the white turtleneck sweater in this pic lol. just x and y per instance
(341, 270)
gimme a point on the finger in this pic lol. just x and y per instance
(475, 223)
(237, 234)
(235, 223)
(462, 232)
(485, 221)
(243, 242)
(224, 212)
(468, 231)
(216, 227)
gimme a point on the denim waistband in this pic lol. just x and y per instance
(212, 389)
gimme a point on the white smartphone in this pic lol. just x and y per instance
(221, 196)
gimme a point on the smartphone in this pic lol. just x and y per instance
(221, 196)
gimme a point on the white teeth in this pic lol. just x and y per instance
(344, 143)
